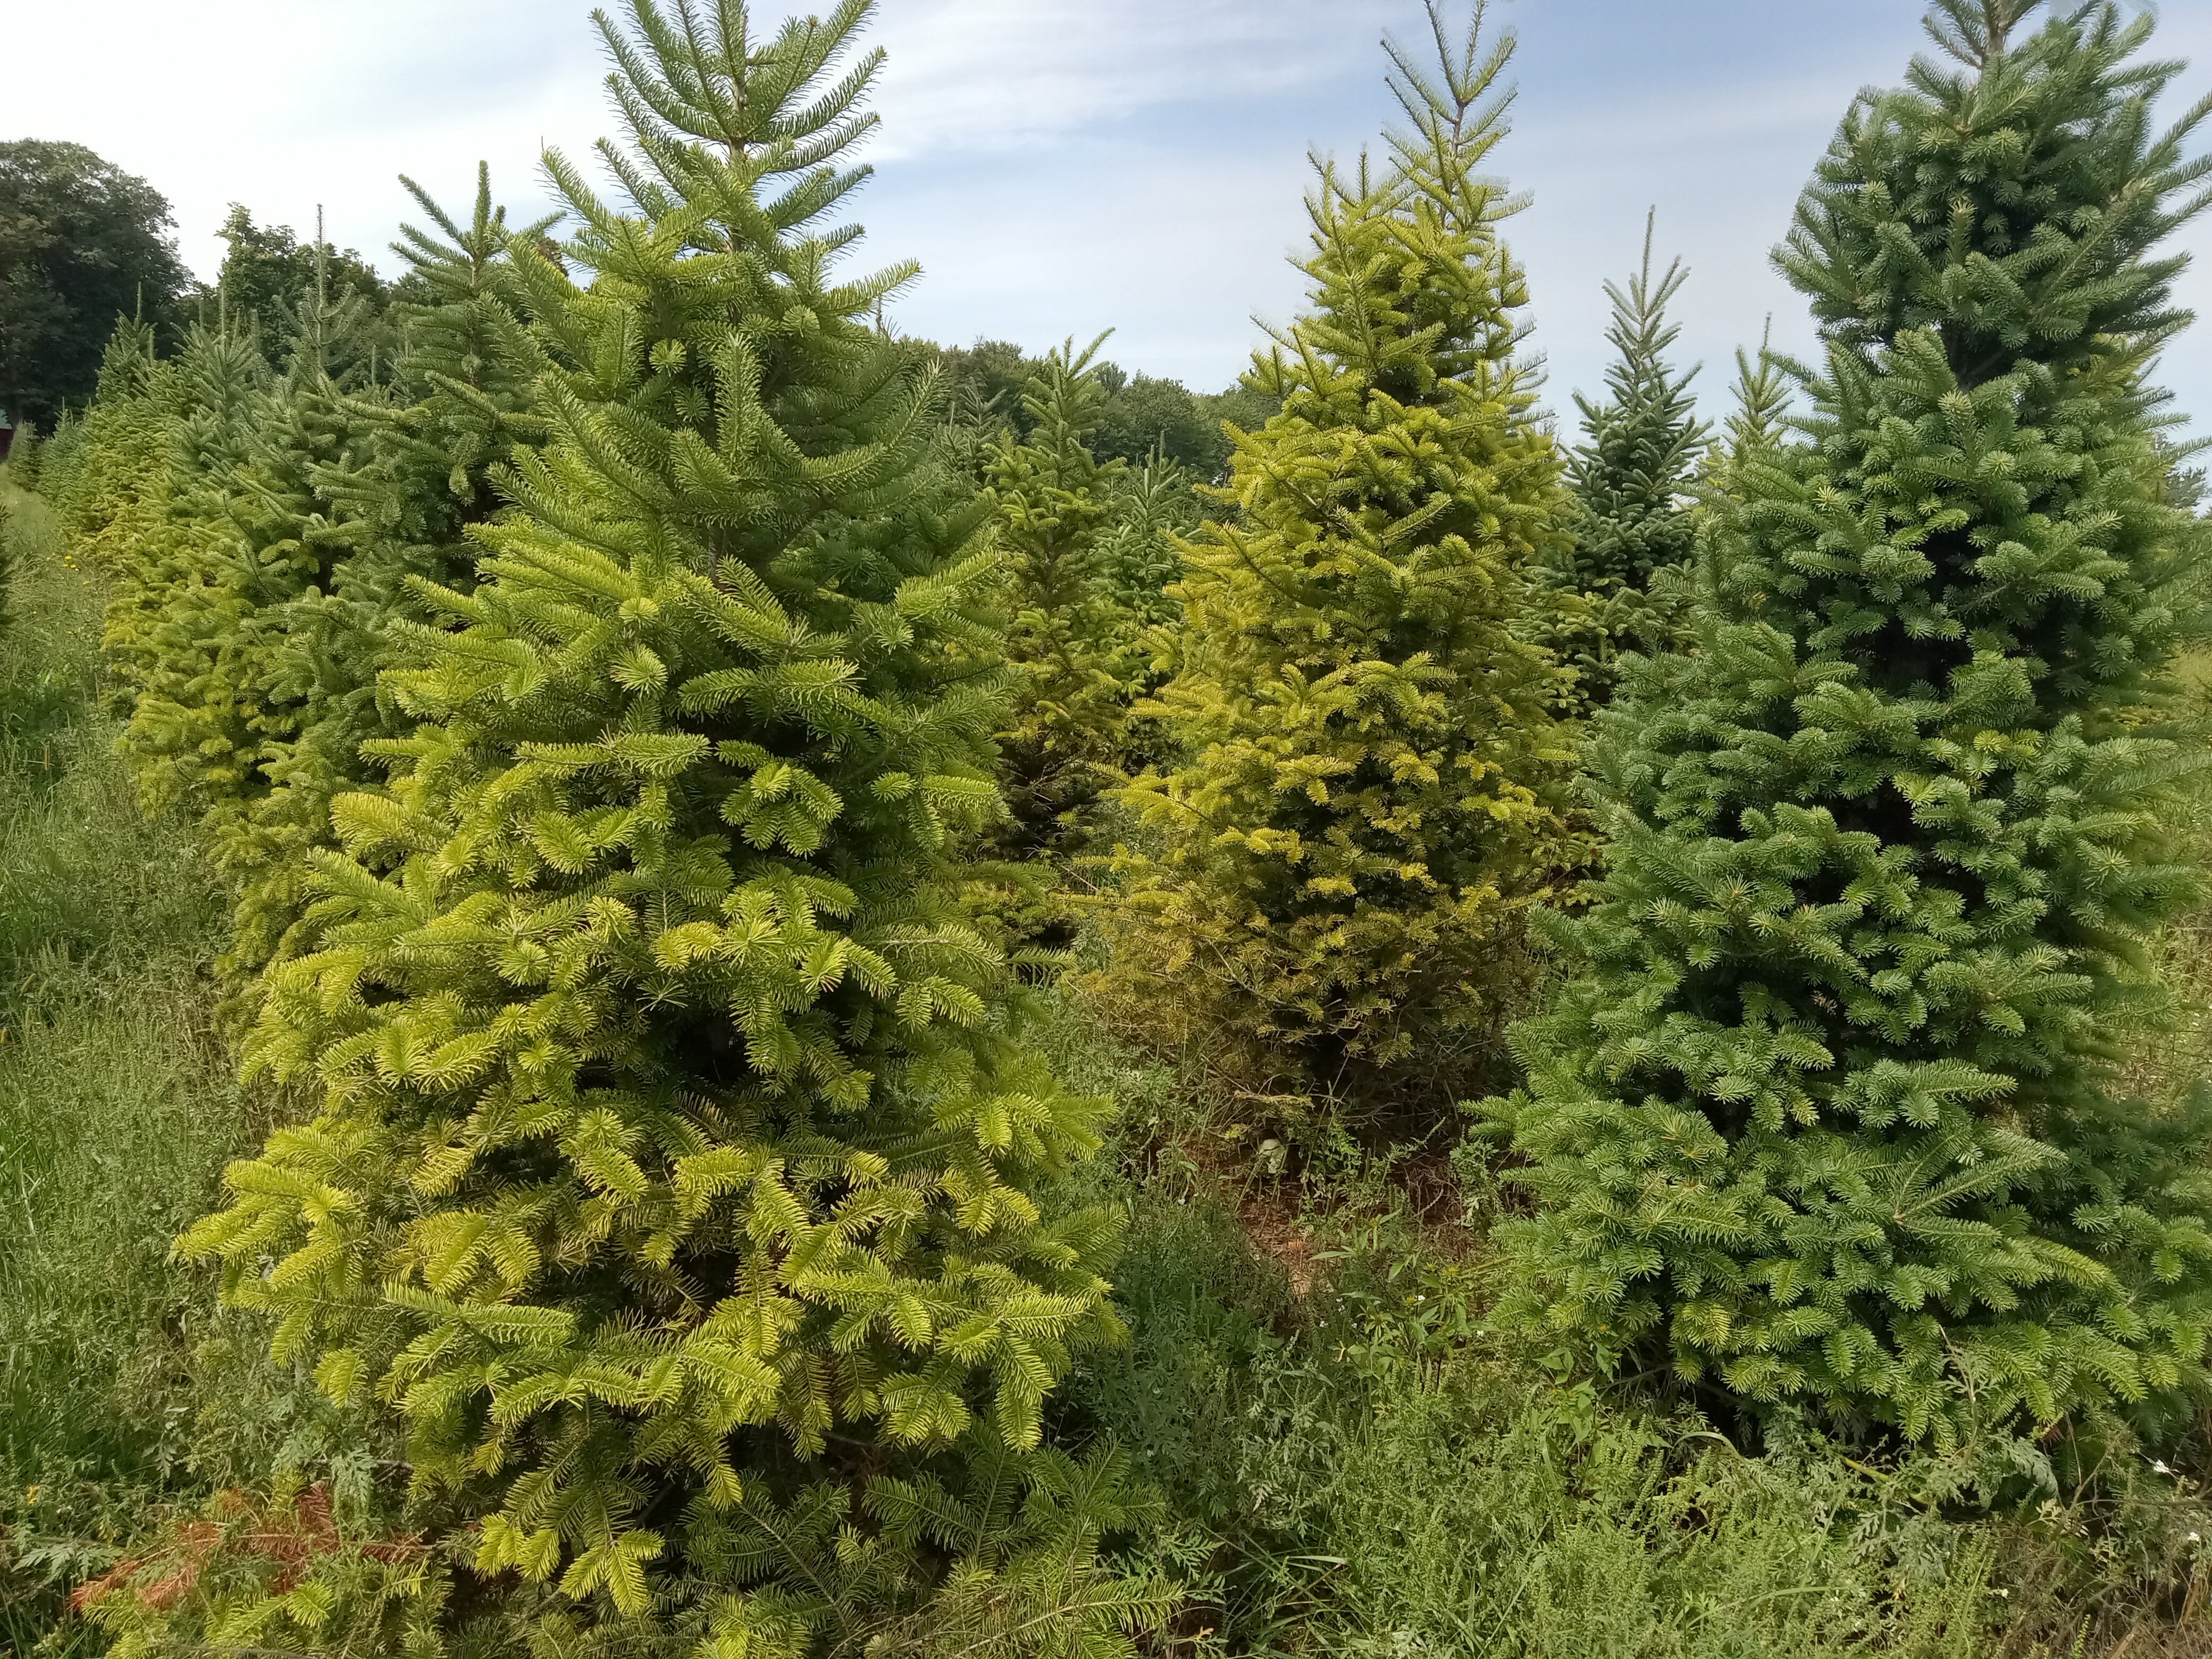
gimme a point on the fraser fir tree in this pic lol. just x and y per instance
(1376, 777)
(390, 508)
(1030, 1576)
(1139, 558)
(1156, 509)
(237, 539)
(1632, 475)
(25, 455)
(1751, 437)
(1831, 1114)
(677, 1160)
(267, 274)
(110, 478)
(1074, 652)
(252, 620)
(1757, 426)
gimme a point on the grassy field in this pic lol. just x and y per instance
(1360, 1466)
(117, 1113)
(1354, 1462)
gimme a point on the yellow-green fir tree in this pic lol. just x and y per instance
(1376, 781)
(1076, 655)
(112, 478)
(679, 1167)
(388, 507)
(262, 576)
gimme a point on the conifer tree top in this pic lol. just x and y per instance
(2011, 195)
(1442, 306)
(1633, 468)
(1761, 390)
(714, 111)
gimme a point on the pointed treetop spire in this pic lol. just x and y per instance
(1762, 393)
(1976, 32)
(1456, 112)
(713, 114)
(1933, 206)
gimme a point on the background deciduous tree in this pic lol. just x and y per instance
(82, 242)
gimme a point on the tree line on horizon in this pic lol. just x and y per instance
(85, 244)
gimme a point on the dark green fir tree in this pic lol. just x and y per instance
(1138, 559)
(1830, 1113)
(1633, 475)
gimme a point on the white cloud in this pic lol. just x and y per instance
(1058, 164)
(284, 104)
(998, 75)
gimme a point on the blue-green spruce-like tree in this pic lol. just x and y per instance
(1632, 477)
(1830, 1111)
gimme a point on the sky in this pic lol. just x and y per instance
(1058, 167)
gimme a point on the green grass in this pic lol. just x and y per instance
(117, 1110)
(1367, 1467)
